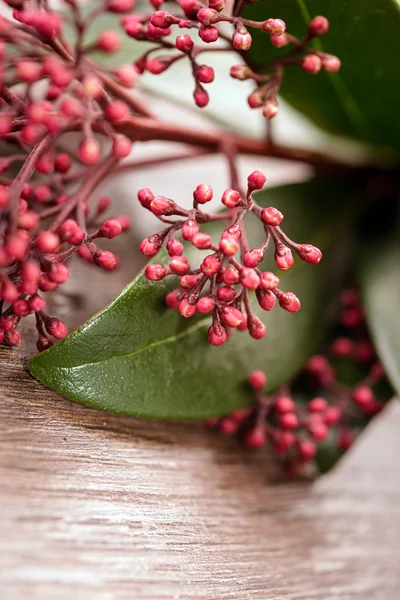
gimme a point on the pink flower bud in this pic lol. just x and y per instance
(89, 151)
(229, 245)
(179, 265)
(207, 16)
(56, 328)
(190, 7)
(110, 229)
(309, 253)
(253, 257)
(162, 19)
(120, 6)
(210, 265)
(317, 405)
(307, 449)
(256, 437)
(217, 334)
(331, 63)
(184, 43)
(145, 197)
(205, 305)
(174, 247)
(158, 65)
(202, 241)
(62, 163)
(272, 216)
(21, 308)
(266, 299)
(30, 273)
(241, 72)
(256, 180)
(205, 74)
(332, 415)
(59, 273)
(249, 278)
(312, 64)
(106, 260)
(42, 194)
(208, 34)
(36, 303)
(47, 241)
(188, 281)
(288, 420)
(127, 75)
(186, 309)
(269, 281)
(124, 221)
(161, 205)
(284, 404)
(8, 323)
(280, 41)
(203, 193)
(43, 343)
(189, 229)
(318, 26)
(122, 146)
(109, 41)
(28, 70)
(231, 198)
(283, 257)
(13, 338)
(217, 5)
(173, 299)
(363, 396)
(317, 429)
(155, 272)
(77, 237)
(289, 301)
(4, 196)
(270, 108)
(257, 329)
(230, 316)
(257, 380)
(225, 293)
(275, 27)
(200, 96)
(116, 111)
(150, 246)
(231, 276)
(241, 39)
(342, 347)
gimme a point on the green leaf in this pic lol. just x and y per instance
(137, 357)
(380, 281)
(362, 99)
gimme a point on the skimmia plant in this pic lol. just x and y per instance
(69, 118)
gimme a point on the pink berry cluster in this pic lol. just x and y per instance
(50, 89)
(334, 412)
(220, 286)
(157, 28)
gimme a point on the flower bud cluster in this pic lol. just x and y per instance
(46, 187)
(230, 270)
(334, 411)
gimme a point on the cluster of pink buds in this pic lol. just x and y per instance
(334, 413)
(220, 286)
(48, 90)
(157, 28)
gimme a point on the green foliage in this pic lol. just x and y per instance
(361, 100)
(137, 357)
(380, 281)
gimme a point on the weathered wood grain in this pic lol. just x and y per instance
(96, 506)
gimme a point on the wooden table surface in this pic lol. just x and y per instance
(103, 507)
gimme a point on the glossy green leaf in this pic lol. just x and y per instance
(137, 357)
(362, 99)
(380, 281)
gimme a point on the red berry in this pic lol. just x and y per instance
(342, 347)
(307, 449)
(256, 437)
(62, 163)
(36, 303)
(21, 308)
(109, 41)
(47, 241)
(317, 405)
(117, 111)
